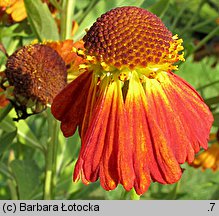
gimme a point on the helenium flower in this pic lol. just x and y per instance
(138, 121)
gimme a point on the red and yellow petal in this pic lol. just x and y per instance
(139, 136)
(180, 113)
(195, 117)
(92, 96)
(153, 154)
(105, 151)
(146, 137)
(69, 105)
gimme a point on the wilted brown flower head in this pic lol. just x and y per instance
(37, 73)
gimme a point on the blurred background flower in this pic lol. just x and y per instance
(66, 50)
(209, 159)
(17, 10)
(3, 99)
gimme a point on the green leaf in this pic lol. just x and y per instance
(26, 136)
(4, 112)
(11, 44)
(8, 124)
(85, 192)
(69, 151)
(160, 7)
(65, 187)
(212, 100)
(147, 4)
(5, 171)
(56, 4)
(6, 139)
(41, 20)
(216, 119)
(201, 75)
(100, 8)
(19, 29)
(27, 177)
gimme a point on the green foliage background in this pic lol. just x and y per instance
(24, 145)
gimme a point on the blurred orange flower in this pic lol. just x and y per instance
(208, 159)
(66, 49)
(17, 10)
(6, 3)
(3, 100)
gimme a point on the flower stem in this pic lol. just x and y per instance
(178, 16)
(207, 85)
(92, 3)
(51, 155)
(134, 195)
(207, 38)
(175, 190)
(193, 18)
(203, 24)
(130, 195)
(66, 18)
(51, 152)
(12, 189)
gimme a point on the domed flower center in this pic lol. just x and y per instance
(131, 38)
(37, 73)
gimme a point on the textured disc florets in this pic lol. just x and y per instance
(128, 36)
(37, 72)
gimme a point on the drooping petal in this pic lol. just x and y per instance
(169, 121)
(92, 96)
(189, 118)
(69, 105)
(91, 150)
(105, 151)
(139, 136)
(152, 153)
